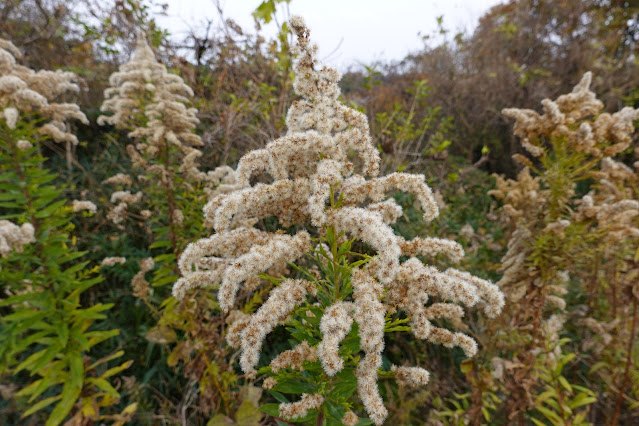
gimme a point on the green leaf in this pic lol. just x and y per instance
(350, 345)
(36, 388)
(96, 337)
(581, 400)
(39, 359)
(76, 369)
(598, 366)
(104, 386)
(343, 389)
(77, 290)
(79, 338)
(550, 415)
(115, 370)
(70, 391)
(278, 396)
(72, 270)
(38, 337)
(265, 11)
(551, 393)
(345, 247)
(164, 281)
(10, 205)
(272, 409)
(24, 315)
(537, 422)
(26, 297)
(168, 257)
(333, 410)
(160, 243)
(486, 413)
(295, 387)
(108, 358)
(563, 361)
(40, 405)
(93, 312)
(63, 333)
(399, 328)
(69, 256)
(564, 383)
(47, 211)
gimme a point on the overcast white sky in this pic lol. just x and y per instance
(361, 30)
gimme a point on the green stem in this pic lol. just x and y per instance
(336, 288)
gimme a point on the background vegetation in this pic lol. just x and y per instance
(437, 112)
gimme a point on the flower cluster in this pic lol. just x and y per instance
(576, 122)
(141, 287)
(79, 206)
(410, 376)
(611, 212)
(111, 261)
(612, 204)
(122, 199)
(569, 117)
(293, 410)
(13, 237)
(524, 201)
(24, 91)
(151, 103)
(311, 167)
(294, 358)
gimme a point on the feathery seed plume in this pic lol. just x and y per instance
(324, 174)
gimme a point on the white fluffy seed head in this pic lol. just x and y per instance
(412, 377)
(294, 410)
(323, 175)
(335, 324)
(24, 92)
(84, 205)
(14, 237)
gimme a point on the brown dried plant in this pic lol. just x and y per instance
(609, 320)
(567, 144)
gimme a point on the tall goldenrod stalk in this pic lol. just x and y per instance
(164, 193)
(569, 143)
(322, 205)
(46, 333)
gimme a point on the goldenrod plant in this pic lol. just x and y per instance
(153, 106)
(206, 258)
(549, 242)
(609, 334)
(47, 332)
(318, 231)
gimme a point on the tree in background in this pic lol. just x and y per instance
(525, 51)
